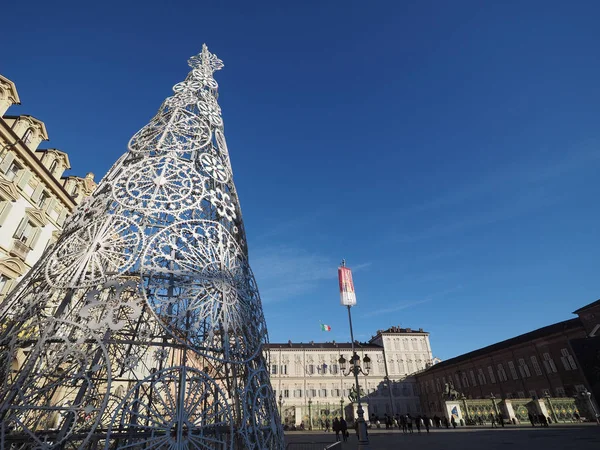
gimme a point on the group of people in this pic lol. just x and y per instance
(339, 426)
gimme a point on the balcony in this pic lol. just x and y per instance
(19, 249)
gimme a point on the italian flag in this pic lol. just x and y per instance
(325, 327)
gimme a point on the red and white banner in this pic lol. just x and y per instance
(347, 295)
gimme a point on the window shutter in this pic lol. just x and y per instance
(5, 164)
(37, 192)
(51, 204)
(25, 177)
(20, 228)
(35, 237)
(6, 207)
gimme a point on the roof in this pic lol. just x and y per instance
(527, 337)
(591, 305)
(324, 345)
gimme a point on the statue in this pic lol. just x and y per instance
(450, 393)
(353, 397)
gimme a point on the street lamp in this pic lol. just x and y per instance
(348, 299)
(309, 414)
(341, 407)
(281, 407)
(588, 395)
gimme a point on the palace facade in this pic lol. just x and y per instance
(311, 387)
(35, 196)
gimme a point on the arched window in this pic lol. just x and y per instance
(27, 136)
(53, 166)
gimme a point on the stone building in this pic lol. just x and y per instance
(309, 383)
(35, 197)
(543, 363)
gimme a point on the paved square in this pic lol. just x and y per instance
(559, 437)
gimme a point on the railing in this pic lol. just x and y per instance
(314, 446)
(20, 249)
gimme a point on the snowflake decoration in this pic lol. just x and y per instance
(222, 202)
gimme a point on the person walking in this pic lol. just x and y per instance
(426, 422)
(531, 419)
(344, 429)
(336, 428)
(327, 424)
(453, 422)
(403, 424)
(446, 424)
(493, 420)
(409, 423)
(418, 424)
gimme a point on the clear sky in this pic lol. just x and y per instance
(449, 150)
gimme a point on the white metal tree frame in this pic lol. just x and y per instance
(142, 327)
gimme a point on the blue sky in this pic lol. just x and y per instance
(448, 150)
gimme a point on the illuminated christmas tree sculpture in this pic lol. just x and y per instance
(142, 327)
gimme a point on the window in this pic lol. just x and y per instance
(491, 374)
(580, 388)
(335, 392)
(43, 200)
(533, 393)
(536, 366)
(312, 393)
(414, 344)
(410, 366)
(513, 371)
(4, 281)
(438, 386)
(567, 360)
(334, 369)
(286, 393)
(521, 394)
(524, 369)
(509, 395)
(311, 369)
(12, 171)
(560, 392)
(481, 376)
(473, 381)
(457, 380)
(549, 363)
(274, 369)
(401, 367)
(465, 380)
(27, 136)
(323, 393)
(298, 393)
(25, 232)
(53, 167)
(501, 373)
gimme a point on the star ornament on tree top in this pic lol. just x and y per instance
(205, 61)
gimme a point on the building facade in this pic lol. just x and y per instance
(311, 387)
(35, 197)
(540, 364)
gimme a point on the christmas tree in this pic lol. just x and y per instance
(142, 326)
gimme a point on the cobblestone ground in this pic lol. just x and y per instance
(558, 437)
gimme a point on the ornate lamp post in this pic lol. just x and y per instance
(281, 407)
(341, 407)
(494, 403)
(348, 299)
(588, 395)
(547, 397)
(309, 414)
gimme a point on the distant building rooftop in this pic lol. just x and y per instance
(323, 345)
(591, 305)
(527, 337)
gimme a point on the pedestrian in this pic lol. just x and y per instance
(453, 421)
(327, 424)
(409, 423)
(426, 422)
(501, 420)
(437, 421)
(418, 424)
(404, 424)
(446, 424)
(344, 429)
(336, 428)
